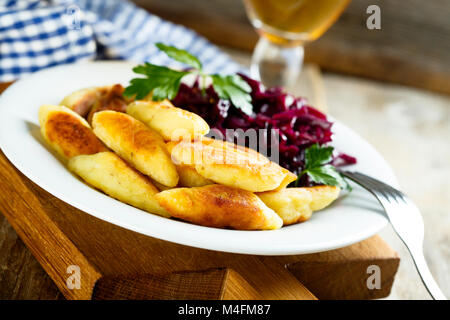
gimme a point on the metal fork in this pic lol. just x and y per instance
(407, 222)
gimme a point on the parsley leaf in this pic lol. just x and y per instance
(180, 55)
(319, 170)
(163, 82)
(328, 175)
(316, 156)
(234, 88)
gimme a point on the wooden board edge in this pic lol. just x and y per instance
(72, 273)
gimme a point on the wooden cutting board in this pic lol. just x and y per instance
(115, 263)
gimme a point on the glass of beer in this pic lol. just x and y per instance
(284, 26)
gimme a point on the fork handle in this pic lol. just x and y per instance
(426, 276)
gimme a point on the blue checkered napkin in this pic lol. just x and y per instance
(39, 34)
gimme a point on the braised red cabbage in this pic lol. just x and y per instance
(299, 124)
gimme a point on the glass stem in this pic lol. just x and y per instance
(276, 65)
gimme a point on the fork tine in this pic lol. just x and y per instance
(387, 189)
(388, 192)
(374, 184)
(365, 182)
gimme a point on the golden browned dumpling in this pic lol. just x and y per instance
(232, 166)
(110, 99)
(291, 204)
(87, 101)
(189, 177)
(219, 206)
(290, 177)
(142, 147)
(170, 122)
(110, 174)
(67, 132)
(323, 196)
(82, 100)
(297, 204)
(160, 186)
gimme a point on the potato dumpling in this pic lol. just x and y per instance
(67, 132)
(110, 99)
(290, 177)
(232, 166)
(142, 147)
(189, 177)
(297, 204)
(82, 100)
(87, 101)
(219, 206)
(160, 186)
(170, 122)
(323, 196)
(110, 174)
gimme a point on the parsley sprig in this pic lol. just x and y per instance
(163, 83)
(319, 169)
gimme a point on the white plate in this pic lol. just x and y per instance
(349, 220)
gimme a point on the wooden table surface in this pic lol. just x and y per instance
(411, 129)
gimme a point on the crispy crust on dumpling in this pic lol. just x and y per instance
(109, 173)
(170, 122)
(295, 205)
(229, 165)
(219, 206)
(87, 101)
(142, 147)
(82, 100)
(111, 98)
(67, 132)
